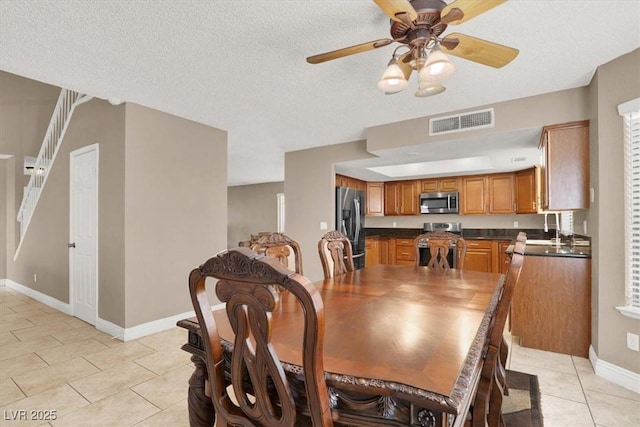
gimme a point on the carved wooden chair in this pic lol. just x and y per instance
(281, 247)
(264, 396)
(439, 244)
(336, 254)
(487, 404)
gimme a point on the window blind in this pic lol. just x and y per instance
(632, 205)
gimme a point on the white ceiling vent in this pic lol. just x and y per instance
(461, 122)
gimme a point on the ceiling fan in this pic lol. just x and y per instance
(418, 25)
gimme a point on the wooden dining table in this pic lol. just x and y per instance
(402, 346)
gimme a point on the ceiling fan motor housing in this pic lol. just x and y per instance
(426, 26)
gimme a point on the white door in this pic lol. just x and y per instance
(83, 233)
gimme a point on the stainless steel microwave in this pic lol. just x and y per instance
(439, 203)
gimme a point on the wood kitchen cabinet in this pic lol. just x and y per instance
(479, 255)
(404, 252)
(564, 171)
(376, 251)
(383, 250)
(440, 185)
(487, 255)
(401, 198)
(371, 252)
(503, 258)
(526, 191)
(375, 199)
(347, 181)
(473, 195)
(501, 193)
(551, 308)
(488, 194)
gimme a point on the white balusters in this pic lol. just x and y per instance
(67, 101)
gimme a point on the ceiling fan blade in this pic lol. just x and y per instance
(334, 54)
(478, 50)
(463, 10)
(396, 8)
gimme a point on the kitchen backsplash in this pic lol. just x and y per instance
(468, 221)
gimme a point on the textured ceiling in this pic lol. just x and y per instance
(240, 65)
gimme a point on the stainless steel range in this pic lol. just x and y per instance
(451, 227)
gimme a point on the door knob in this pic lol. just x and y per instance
(71, 245)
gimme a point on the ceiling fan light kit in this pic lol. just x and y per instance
(393, 79)
(418, 25)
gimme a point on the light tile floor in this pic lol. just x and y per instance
(50, 361)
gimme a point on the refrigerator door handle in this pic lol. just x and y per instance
(356, 204)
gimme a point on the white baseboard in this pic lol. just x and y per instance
(39, 296)
(118, 332)
(144, 329)
(623, 377)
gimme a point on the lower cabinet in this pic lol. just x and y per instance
(371, 252)
(404, 253)
(479, 255)
(551, 308)
(376, 251)
(487, 255)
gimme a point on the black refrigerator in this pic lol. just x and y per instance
(350, 206)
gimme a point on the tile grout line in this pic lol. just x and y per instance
(582, 389)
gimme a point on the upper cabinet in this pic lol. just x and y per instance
(488, 194)
(375, 199)
(440, 185)
(347, 181)
(526, 191)
(401, 198)
(564, 171)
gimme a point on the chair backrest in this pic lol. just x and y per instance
(246, 284)
(280, 246)
(487, 405)
(336, 254)
(439, 244)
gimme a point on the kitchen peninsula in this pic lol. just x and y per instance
(551, 307)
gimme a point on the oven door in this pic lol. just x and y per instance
(425, 256)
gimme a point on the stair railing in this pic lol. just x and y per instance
(67, 102)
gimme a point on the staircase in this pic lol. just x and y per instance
(67, 102)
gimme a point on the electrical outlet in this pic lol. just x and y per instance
(515, 224)
(394, 224)
(323, 225)
(35, 277)
(633, 341)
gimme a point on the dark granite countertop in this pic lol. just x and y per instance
(506, 234)
(467, 233)
(556, 251)
(403, 233)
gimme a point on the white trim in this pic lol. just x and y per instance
(72, 155)
(116, 332)
(39, 296)
(144, 329)
(629, 106)
(623, 377)
(633, 312)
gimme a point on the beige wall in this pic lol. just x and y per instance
(310, 196)
(162, 209)
(525, 113)
(252, 209)
(44, 251)
(175, 209)
(615, 82)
